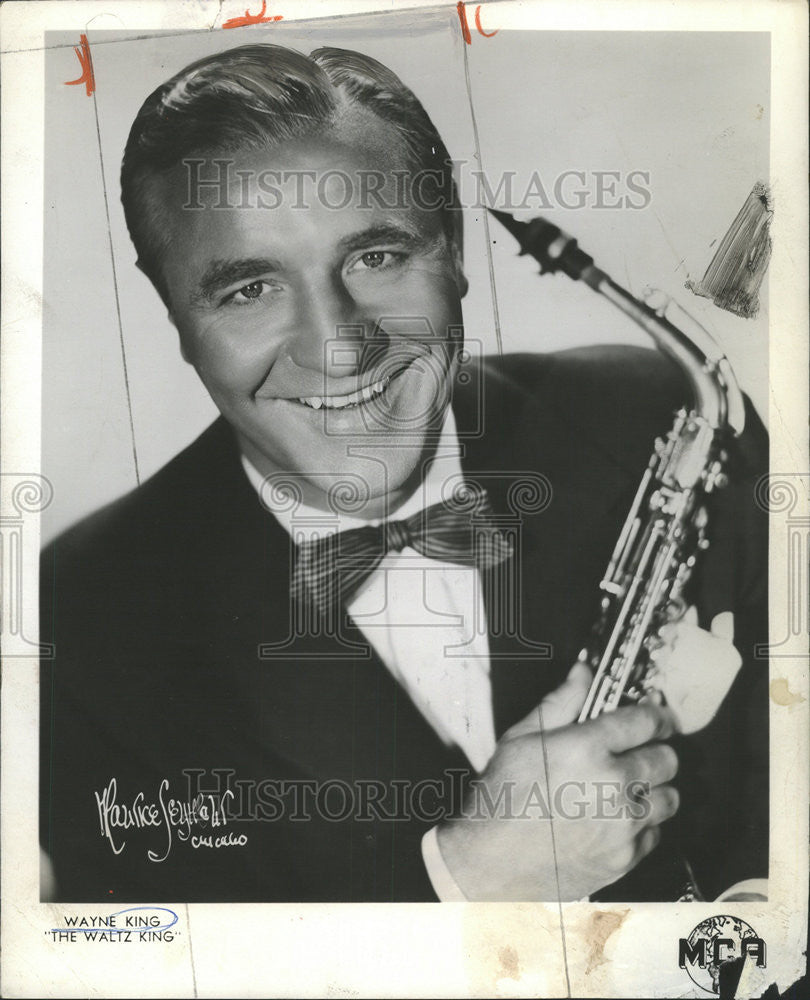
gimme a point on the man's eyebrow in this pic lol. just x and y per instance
(220, 274)
(386, 233)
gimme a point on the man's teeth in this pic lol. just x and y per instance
(353, 398)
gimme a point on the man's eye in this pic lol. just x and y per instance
(248, 293)
(373, 259)
(376, 260)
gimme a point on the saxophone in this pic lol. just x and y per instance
(665, 530)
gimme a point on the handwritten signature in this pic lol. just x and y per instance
(177, 818)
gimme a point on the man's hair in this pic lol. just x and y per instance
(256, 97)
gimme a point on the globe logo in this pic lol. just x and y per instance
(715, 942)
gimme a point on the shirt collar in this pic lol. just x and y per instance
(443, 472)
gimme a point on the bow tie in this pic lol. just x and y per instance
(461, 530)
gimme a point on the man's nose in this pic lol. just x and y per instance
(330, 329)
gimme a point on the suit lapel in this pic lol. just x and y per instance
(317, 693)
(561, 496)
(328, 691)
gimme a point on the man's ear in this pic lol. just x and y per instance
(164, 297)
(173, 321)
(458, 263)
(461, 281)
(183, 352)
(455, 237)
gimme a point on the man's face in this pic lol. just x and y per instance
(326, 335)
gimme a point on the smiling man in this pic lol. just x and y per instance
(335, 215)
(329, 653)
(281, 311)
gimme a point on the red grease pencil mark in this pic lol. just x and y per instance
(86, 62)
(465, 28)
(243, 22)
(486, 34)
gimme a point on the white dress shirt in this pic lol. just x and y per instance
(426, 621)
(424, 618)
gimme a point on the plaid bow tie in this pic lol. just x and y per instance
(461, 531)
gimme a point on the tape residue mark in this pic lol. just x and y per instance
(510, 963)
(781, 693)
(733, 278)
(601, 926)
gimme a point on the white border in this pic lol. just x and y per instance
(375, 950)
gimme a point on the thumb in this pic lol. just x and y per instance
(563, 705)
(559, 708)
(691, 616)
(723, 626)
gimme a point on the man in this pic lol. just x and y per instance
(225, 718)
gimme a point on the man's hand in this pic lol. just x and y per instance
(695, 668)
(586, 779)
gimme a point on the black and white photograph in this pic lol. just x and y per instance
(417, 512)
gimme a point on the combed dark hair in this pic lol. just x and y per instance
(255, 97)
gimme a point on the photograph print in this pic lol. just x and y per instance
(405, 544)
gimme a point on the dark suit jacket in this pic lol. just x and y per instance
(158, 605)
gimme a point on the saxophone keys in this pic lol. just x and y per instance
(653, 643)
(674, 610)
(656, 299)
(652, 696)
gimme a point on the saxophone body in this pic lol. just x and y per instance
(660, 541)
(665, 530)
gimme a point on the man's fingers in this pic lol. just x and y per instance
(723, 626)
(669, 633)
(654, 764)
(646, 842)
(695, 669)
(635, 725)
(663, 804)
(560, 707)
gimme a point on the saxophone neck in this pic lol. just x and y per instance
(717, 397)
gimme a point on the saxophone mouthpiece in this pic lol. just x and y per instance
(553, 249)
(509, 222)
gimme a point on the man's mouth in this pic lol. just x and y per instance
(357, 398)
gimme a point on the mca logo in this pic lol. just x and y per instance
(717, 942)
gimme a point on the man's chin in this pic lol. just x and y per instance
(364, 478)
(359, 459)
(372, 481)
